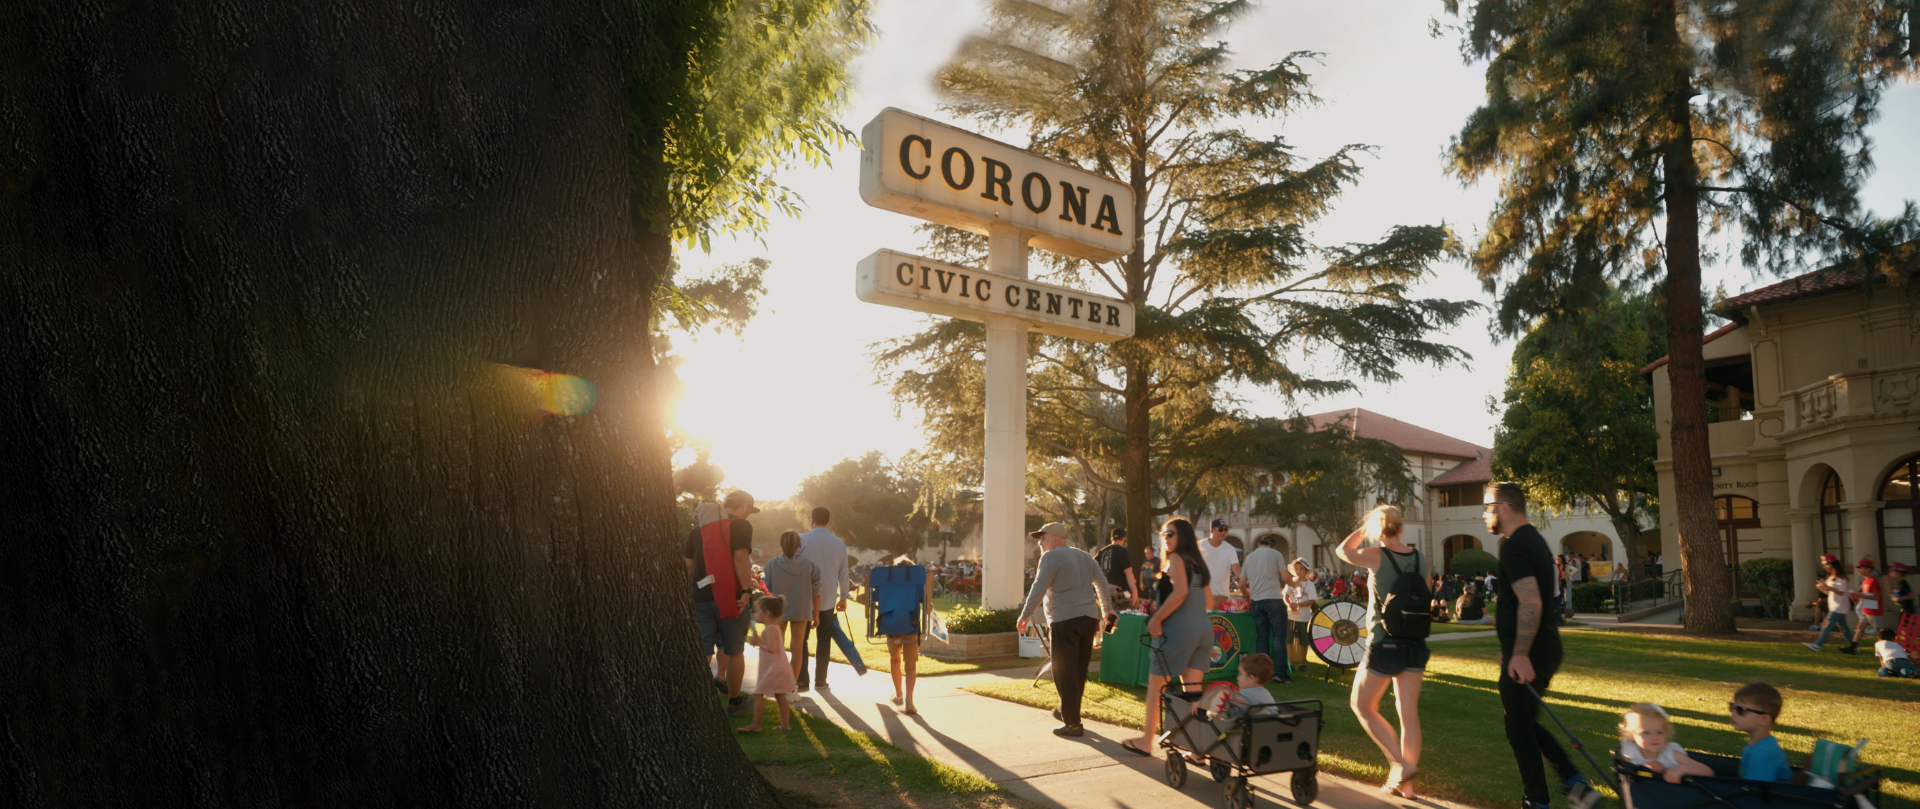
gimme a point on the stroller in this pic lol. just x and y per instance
(1853, 786)
(1283, 737)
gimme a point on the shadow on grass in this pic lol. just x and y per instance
(830, 750)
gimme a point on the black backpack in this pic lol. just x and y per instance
(1405, 610)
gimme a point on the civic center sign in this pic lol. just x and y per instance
(927, 169)
(925, 285)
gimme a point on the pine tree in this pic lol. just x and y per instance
(1622, 131)
(1228, 288)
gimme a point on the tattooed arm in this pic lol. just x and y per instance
(1526, 627)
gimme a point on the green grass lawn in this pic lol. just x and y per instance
(873, 651)
(1828, 696)
(831, 751)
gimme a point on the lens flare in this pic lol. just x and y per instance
(557, 394)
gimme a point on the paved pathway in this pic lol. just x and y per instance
(1014, 746)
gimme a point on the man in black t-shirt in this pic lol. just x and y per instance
(1530, 649)
(724, 639)
(1117, 566)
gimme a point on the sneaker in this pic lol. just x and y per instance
(1072, 731)
(1580, 794)
(801, 687)
(1850, 649)
(1811, 645)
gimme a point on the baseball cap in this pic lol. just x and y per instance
(1830, 559)
(1900, 567)
(1059, 528)
(739, 498)
(1863, 563)
(1220, 522)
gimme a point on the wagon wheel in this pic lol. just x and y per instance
(1306, 786)
(1239, 795)
(1176, 769)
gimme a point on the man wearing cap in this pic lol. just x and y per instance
(1221, 557)
(723, 627)
(1839, 605)
(1076, 600)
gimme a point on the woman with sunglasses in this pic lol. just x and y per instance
(1182, 636)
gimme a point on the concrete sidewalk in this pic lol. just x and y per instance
(1014, 746)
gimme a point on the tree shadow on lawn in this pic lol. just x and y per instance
(827, 748)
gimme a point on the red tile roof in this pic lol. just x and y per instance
(1478, 470)
(1711, 336)
(1837, 278)
(1368, 424)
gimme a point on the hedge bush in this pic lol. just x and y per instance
(1591, 596)
(1772, 578)
(1472, 562)
(976, 621)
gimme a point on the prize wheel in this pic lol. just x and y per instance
(1338, 634)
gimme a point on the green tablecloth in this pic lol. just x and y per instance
(1123, 661)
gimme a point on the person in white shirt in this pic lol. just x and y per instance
(1300, 597)
(1221, 557)
(1839, 605)
(828, 553)
(1893, 657)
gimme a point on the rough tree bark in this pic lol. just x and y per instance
(1703, 565)
(287, 522)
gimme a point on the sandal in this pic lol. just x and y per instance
(1128, 744)
(1406, 781)
(745, 729)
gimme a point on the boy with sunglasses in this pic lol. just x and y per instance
(1755, 707)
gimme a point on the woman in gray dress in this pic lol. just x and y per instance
(793, 576)
(1182, 636)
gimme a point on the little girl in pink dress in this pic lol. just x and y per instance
(776, 674)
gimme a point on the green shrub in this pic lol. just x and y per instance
(1472, 562)
(1591, 596)
(1772, 578)
(976, 621)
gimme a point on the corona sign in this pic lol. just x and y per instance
(926, 169)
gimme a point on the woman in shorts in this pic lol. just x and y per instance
(1182, 635)
(1396, 661)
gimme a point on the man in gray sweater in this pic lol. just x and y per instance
(1076, 599)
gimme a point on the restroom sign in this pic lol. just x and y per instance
(906, 281)
(927, 169)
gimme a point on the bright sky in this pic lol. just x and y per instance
(797, 392)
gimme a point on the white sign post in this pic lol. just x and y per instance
(923, 168)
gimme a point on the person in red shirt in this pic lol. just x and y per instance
(1338, 588)
(1869, 601)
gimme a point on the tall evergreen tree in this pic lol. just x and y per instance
(331, 431)
(1621, 131)
(1228, 287)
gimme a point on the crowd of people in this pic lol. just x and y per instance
(798, 597)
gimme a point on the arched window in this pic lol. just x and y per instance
(1901, 491)
(1739, 526)
(1833, 521)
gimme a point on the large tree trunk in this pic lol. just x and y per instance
(1704, 565)
(289, 521)
(1137, 461)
